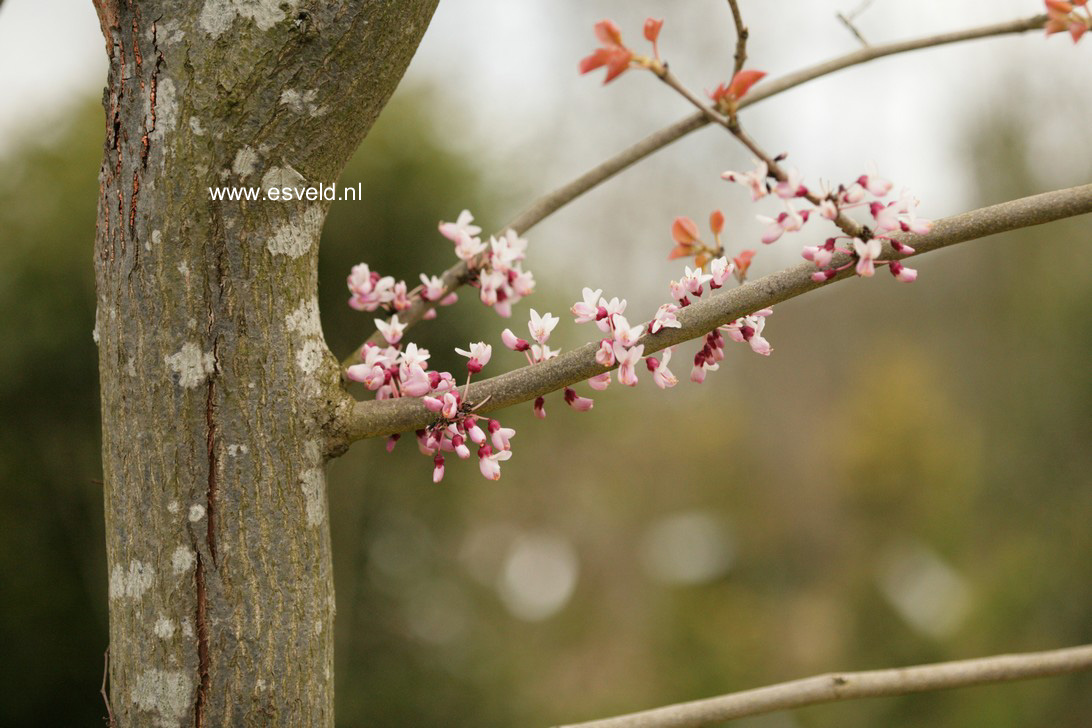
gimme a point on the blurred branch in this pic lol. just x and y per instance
(360, 420)
(848, 22)
(852, 685)
(741, 36)
(551, 202)
(848, 18)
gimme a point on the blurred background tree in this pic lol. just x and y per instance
(804, 529)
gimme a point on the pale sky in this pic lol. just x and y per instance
(507, 70)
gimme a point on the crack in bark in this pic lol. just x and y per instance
(212, 489)
(205, 683)
(214, 293)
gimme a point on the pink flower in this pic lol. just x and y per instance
(491, 282)
(473, 431)
(661, 375)
(627, 363)
(625, 334)
(702, 364)
(479, 355)
(787, 222)
(866, 255)
(432, 288)
(853, 194)
(543, 353)
(818, 254)
(438, 468)
(604, 356)
(458, 444)
(501, 436)
(523, 284)
(755, 179)
(749, 329)
(578, 403)
(664, 318)
(461, 227)
(372, 376)
(415, 382)
(600, 381)
(607, 310)
(886, 216)
(467, 248)
(400, 300)
(721, 271)
(679, 292)
(694, 280)
(877, 186)
(541, 326)
(489, 461)
(792, 186)
(902, 273)
(391, 331)
(540, 408)
(588, 309)
(513, 342)
(507, 251)
(369, 289)
(447, 406)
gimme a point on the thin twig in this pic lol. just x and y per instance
(360, 420)
(848, 18)
(553, 201)
(741, 36)
(853, 685)
(110, 720)
(848, 22)
(731, 123)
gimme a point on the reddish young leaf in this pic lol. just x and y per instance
(742, 82)
(684, 231)
(716, 222)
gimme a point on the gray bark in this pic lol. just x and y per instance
(216, 382)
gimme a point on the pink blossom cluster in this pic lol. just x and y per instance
(500, 278)
(747, 329)
(868, 191)
(1063, 17)
(372, 291)
(393, 371)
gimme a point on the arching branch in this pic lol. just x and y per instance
(553, 201)
(377, 418)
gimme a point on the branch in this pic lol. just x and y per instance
(741, 36)
(551, 202)
(377, 418)
(851, 685)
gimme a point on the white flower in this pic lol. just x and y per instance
(461, 226)
(541, 326)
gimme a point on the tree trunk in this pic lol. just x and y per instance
(216, 382)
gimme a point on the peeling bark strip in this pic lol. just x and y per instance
(215, 378)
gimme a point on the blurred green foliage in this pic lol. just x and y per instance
(905, 480)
